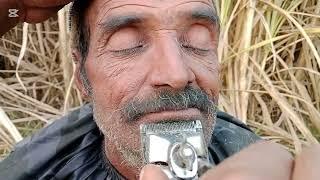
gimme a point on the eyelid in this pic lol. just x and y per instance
(129, 51)
(108, 34)
(197, 51)
(187, 44)
(139, 43)
(126, 49)
(140, 40)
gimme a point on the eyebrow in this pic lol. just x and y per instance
(117, 22)
(206, 14)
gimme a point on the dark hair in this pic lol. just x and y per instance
(80, 36)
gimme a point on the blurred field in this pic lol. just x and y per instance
(269, 51)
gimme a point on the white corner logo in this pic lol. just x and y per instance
(13, 13)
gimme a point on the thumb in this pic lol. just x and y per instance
(152, 172)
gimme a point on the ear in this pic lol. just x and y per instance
(77, 57)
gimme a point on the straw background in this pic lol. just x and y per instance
(269, 52)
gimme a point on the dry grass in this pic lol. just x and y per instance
(269, 51)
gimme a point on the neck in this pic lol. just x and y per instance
(118, 162)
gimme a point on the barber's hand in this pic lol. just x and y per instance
(30, 11)
(261, 161)
(307, 164)
(152, 172)
(35, 11)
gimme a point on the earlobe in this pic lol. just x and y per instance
(76, 56)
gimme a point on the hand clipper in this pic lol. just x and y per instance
(177, 147)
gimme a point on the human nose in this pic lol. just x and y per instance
(170, 67)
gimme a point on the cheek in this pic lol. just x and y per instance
(114, 83)
(207, 77)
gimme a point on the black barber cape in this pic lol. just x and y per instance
(71, 148)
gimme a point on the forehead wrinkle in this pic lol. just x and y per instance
(120, 6)
(107, 3)
(195, 1)
(199, 12)
(116, 22)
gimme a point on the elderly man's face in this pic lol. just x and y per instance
(150, 61)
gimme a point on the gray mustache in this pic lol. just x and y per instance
(168, 100)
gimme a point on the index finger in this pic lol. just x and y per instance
(152, 172)
(263, 161)
(307, 164)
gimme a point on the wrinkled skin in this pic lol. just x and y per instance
(166, 49)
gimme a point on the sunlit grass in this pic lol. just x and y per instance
(269, 52)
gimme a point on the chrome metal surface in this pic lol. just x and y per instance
(178, 146)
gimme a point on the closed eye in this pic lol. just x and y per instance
(195, 50)
(128, 51)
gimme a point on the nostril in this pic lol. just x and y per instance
(175, 77)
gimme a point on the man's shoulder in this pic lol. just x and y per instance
(230, 136)
(66, 145)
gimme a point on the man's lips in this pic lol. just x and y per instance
(184, 114)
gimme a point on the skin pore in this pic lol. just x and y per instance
(149, 61)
